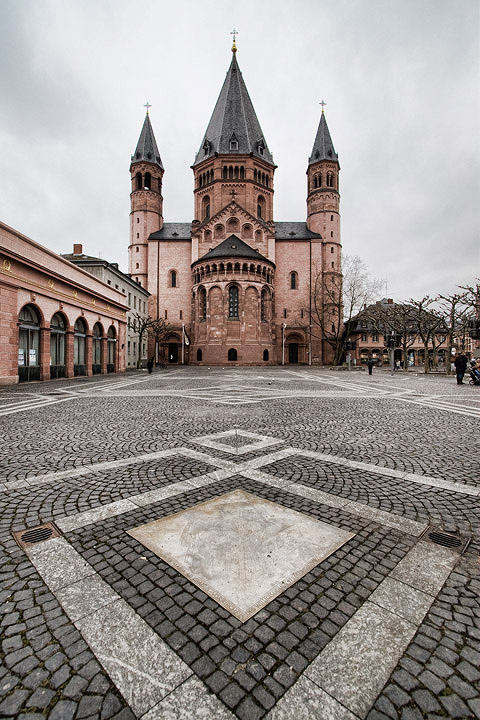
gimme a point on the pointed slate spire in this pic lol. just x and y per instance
(233, 127)
(147, 150)
(323, 146)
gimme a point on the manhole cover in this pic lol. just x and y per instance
(452, 540)
(30, 536)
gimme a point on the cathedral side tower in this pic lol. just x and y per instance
(323, 218)
(146, 214)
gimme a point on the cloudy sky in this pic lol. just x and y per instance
(401, 80)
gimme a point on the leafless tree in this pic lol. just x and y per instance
(396, 322)
(337, 298)
(454, 307)
(159, 331)
(140, 325)
(428, 321)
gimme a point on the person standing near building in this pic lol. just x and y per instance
(460, 363)
(370, 365)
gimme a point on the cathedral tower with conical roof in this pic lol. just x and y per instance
(235, 286)
(146, 214)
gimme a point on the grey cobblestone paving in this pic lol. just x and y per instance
(439, 676)
(49, 671)
(453, 512)
(264, 656)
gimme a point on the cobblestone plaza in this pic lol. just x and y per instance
(367, 617)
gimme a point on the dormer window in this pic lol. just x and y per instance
(233, 143)
(206, 147)
(261, 147)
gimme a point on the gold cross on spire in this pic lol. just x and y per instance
(323, 103)
(234, 46)
(148, 106)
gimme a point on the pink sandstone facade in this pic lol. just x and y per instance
(56, 320)
(234, 285)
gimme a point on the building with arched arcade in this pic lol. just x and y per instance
(56, 320)
(234, 285)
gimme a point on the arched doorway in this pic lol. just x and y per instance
(97, 349)
(79, 347)
(28, 344)
(293, 353)
(57, 347)
(111, 349)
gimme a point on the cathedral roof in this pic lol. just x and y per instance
(293, 231)
(173, 231)
(323, 146)
(234, 127)
(147, 150)
(233, 247)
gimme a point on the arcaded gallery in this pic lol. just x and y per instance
(56, 320)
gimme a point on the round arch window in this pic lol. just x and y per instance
(29, 344)
(111, 348)
(232, 354)
(57, 341)
(79, 346)
(97, 347)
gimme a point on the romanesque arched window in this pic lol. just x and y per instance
(263, 300)
(138, 180)
(225, 172)
(261, 207)
(148, 181)
(233, 303)
(202, 301)
(293, 281)
(173, 278)
(265, 355)
(232, 354)
(206, 207)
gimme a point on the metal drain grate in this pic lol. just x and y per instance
(25, 538)
(455, 541)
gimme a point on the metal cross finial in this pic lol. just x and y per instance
(323, 103)
(148, 106)
(234, 33)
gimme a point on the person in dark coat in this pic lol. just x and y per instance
(370, 365)
(460, 363)
(150, 365)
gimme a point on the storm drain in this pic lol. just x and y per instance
(31, 536)
(455, 541)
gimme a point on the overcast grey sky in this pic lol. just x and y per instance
(401, 79)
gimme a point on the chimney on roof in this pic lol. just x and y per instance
(390, 301)
(77, 249)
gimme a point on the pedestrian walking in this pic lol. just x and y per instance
(397, 364)
(150, 366)
(460, 363)
(370, 365)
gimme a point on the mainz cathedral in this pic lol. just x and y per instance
(235, 286)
